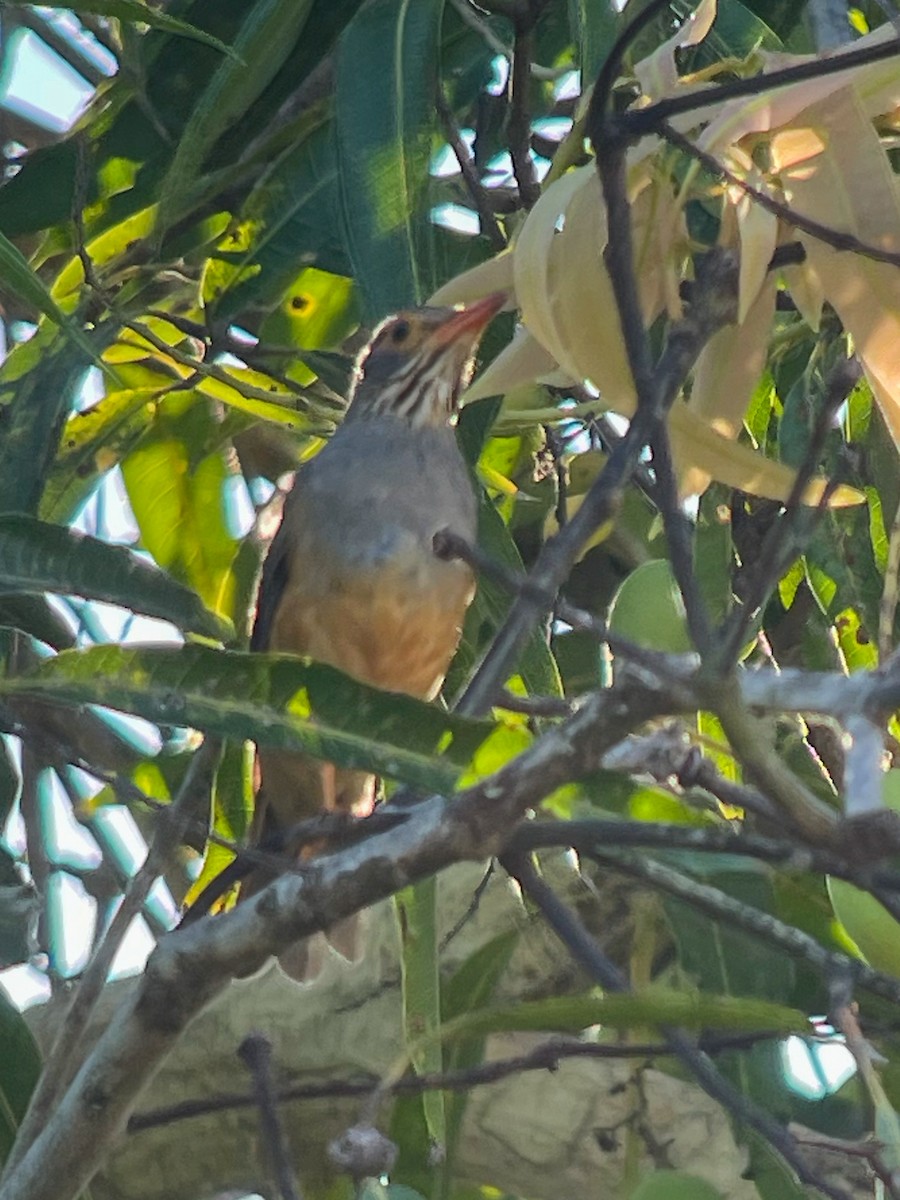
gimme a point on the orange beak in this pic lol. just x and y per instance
(469, 321)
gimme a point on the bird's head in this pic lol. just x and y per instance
(419, 361)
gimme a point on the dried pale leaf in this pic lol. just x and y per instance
(495, 275)
(590, 344)
(696, 446)
(660, 243)
(772, 109)
(867, 193)
(790, 148)
(878, 91)
(849, 186)
(807, 291)
(861, 300)
(589, 336)
(727, 371)
(758, 232)
(658, 73)
(890, 408)
(534, 252)
(522, 361)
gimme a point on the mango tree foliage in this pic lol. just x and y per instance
(188, 275)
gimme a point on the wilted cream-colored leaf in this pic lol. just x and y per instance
(534, 257)
(889, 405)
(589, 343)
(727, 371)
(521, 362)
(658, 72)
(878, 84)
(495, 275)
(696, 446)
(807, 291)
(849, 186)
(563, 286)
(757, 230)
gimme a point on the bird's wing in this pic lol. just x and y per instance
(274, 581)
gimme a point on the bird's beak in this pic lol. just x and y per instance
(470, 321)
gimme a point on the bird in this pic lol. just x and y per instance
(351, 578)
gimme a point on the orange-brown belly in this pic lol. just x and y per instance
(387, 634)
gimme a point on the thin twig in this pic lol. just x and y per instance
(449, 545)
(535, 706)
(545, 1057)
(256, 1053)
(490, 226)
(519, 123)
(845, 1019)
(715, 307)
(834, 238)
(638, 122)
(598, 834)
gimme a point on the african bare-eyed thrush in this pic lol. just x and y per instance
(351, 578)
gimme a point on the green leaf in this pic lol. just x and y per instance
(841, 566)
(38, 383)
(652, 1006)
(20, 1067)
(421, 987)
(472, 986)
(275, 700)
(269, 32)
(648, 609)
(37, 557)
(373, 1189)
(674, 1185)
(714, 557)
(34, 615)
(177, 493)
(871, 927)
(385, 125)
(92, 442)
(134, 10)
(773, 1179)
(290, 220)
(17, 277)
(718, 957)
(9, 783)
(595, 27)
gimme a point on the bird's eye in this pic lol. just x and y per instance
(399, 332)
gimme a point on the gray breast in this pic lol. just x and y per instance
(382, 490)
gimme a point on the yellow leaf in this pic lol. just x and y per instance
(494, 479)
(757, 229)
